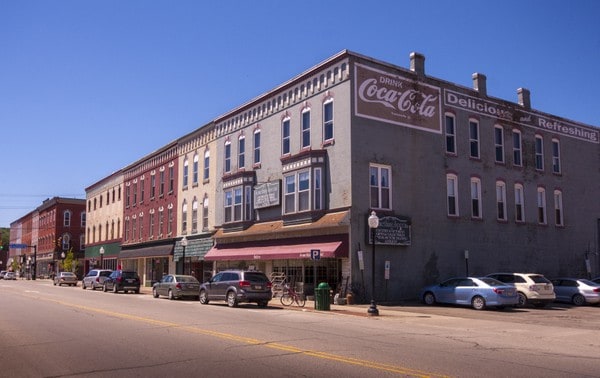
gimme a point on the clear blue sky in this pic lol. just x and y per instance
(88, 87)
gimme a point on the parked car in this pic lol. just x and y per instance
(2, 273)
(95, 278)
(122, 280)
(10, 276)
(576, 291)
(177, 286)
(478, 293)
(237, 286)
(532, 287)
(65, 278)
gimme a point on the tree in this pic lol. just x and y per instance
(70, 263)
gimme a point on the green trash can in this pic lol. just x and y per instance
(322, 302)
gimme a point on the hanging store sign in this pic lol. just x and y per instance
(403, 101)
(266, 195)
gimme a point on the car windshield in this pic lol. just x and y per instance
(186, 279)
(539, 279)
(68, 274)
(129, 274)
(105, 274)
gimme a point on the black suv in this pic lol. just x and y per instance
(237, 286)
(122, 280)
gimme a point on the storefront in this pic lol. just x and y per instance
(190, 260)
(150, 262)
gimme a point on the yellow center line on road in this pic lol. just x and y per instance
(287, 348)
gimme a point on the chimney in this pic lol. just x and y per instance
(479, 83)
(417, 63)
(523, 98)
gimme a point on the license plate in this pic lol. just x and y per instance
(258, 287)
(129, 281)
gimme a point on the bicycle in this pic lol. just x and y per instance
(290, 296)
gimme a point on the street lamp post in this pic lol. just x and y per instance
(62, 256)
(184, 243)
(101, 257)
(373, 224)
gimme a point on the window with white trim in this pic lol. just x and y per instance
(185, 173)
(285, 136)
(380, 181)
(238, 204)
(499, 143)
(205, 214)
(451, 194)
(328, 121)
(227, 160)
(151, 230)
(67, 218)
(184, 216)
(206, 165)
(555, 156)
(474, 138)
(500, 200)
(305, 128)
(476, 198)
(318, 190)
(194, 215)
(450, 129)
(541, 205)
(539, 153)
(558, 208)
(241, 152)
(517, 149)
(195, 170)
(257, 147)
(519, 203)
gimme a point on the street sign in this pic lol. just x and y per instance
(315, 254)
(17, 246)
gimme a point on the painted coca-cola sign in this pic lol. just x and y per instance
(394, 99)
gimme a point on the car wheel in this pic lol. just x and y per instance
(171, 296)
(54, 283)
(104, 288)
(232, 299)
(203, 297)
(154, 293)
(429, 298)
(578, 300)
(522, 299)
(478, 303)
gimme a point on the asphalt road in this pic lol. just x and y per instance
(48, 331)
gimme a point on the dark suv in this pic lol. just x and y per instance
(122, 280)
(237, 286)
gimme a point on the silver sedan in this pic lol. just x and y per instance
(177, 286)
(577, 291)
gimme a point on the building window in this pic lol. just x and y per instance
(151, 230)
(127, 196)
(257, 147)
(450, 134)
(476, 198)
(205, 214)
(519, 204)
(67, 218)
(247, 203)
(234, 205)
(195, 170)
(318, 190)
(141, 234)
(161, 189)
(184, 181)
(66, 242)
(501, 200)
(451, 194)
(227, 157)
(194, 215)
(285, 136)
(171, 178)
(241, 152)
(555, 156)
(135, 191)
(517, 149)
(142, 182)
(206, 165)
(328, 121)
(474, 138)
(161, 222)
(558, 208)
(133, 228)
(306, 128)
(170, 220)
(499, 143)
(184, 217)
(380, 178)
(541, 205)
(152, 186)
(539, 153)
(83, 219)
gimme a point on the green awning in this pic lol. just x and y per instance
(110, 250)
(196, 248)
